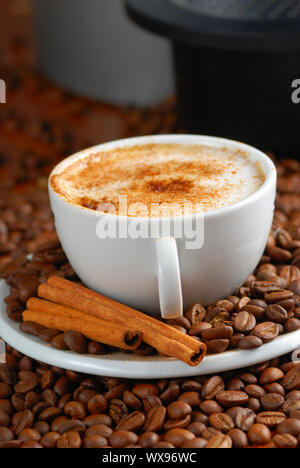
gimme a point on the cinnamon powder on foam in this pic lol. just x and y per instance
(209, 178)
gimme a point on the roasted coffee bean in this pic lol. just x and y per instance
(277, 313)
(97, 419)
(75, 341)
(270, 375)
(178, 437)
(191, 398)
(180, 423)
(196, 314)
(94, 442)
(272, 401)
(270, 418)
(131, 422)
(155, 419)
(292, 325)
(29, 434)
(7, 375)
(6, 434)
(49, 440)
(259, 434)
(219, 441)
(244, 322)
(69, 440)
(48, 334)
(143, 390)
(97, 404)
(221, 421)
(178, 410)
(243, 418)
(239, 438)
(117, 410)
(71, 425)
(120, 439)
(291, 380)
(31, 328)
(289, 426)
(42, 427)
(250, 342)
(58, 342)
(50, 397)
(266, 331)
(217, 333)
(148, 439)
(151, 401)
(255, 391)
(170, 394)
(210, 406)
(22, 420)
(99, 429)
(290, 406)
(75, 410)
(284, 441)
(212, 387)
(232, 398)
(196, 428)
(5, 390)
(198, 328)
(131, 400)
(217, 346)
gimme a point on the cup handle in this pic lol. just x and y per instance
(169, 280)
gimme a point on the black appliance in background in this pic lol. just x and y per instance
(237, 63)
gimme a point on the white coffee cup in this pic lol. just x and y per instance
(162, 275)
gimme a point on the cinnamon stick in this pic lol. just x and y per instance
(64, 318)
(123, 314)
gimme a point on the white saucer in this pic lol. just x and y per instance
(135, 367)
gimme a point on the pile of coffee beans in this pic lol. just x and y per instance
(266, 306)
(47, 407)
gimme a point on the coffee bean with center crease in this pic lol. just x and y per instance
(284, 441)
(219, 441)
(266, 331)
(117, 410)
(232, 398)
(270, 418)
(276, 313)
(212, 387)
(221, 421)
(7, 375)
(69, 440)
(131, 422)
(291, 380)
(272, 401)
(244, 322)
(155, 419)
(22, 420)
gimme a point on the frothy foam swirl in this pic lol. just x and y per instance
(158, 174)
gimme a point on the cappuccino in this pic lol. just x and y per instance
(153, 176)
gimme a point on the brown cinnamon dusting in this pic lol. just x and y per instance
(149, 174)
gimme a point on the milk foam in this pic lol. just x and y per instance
(208, 178)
